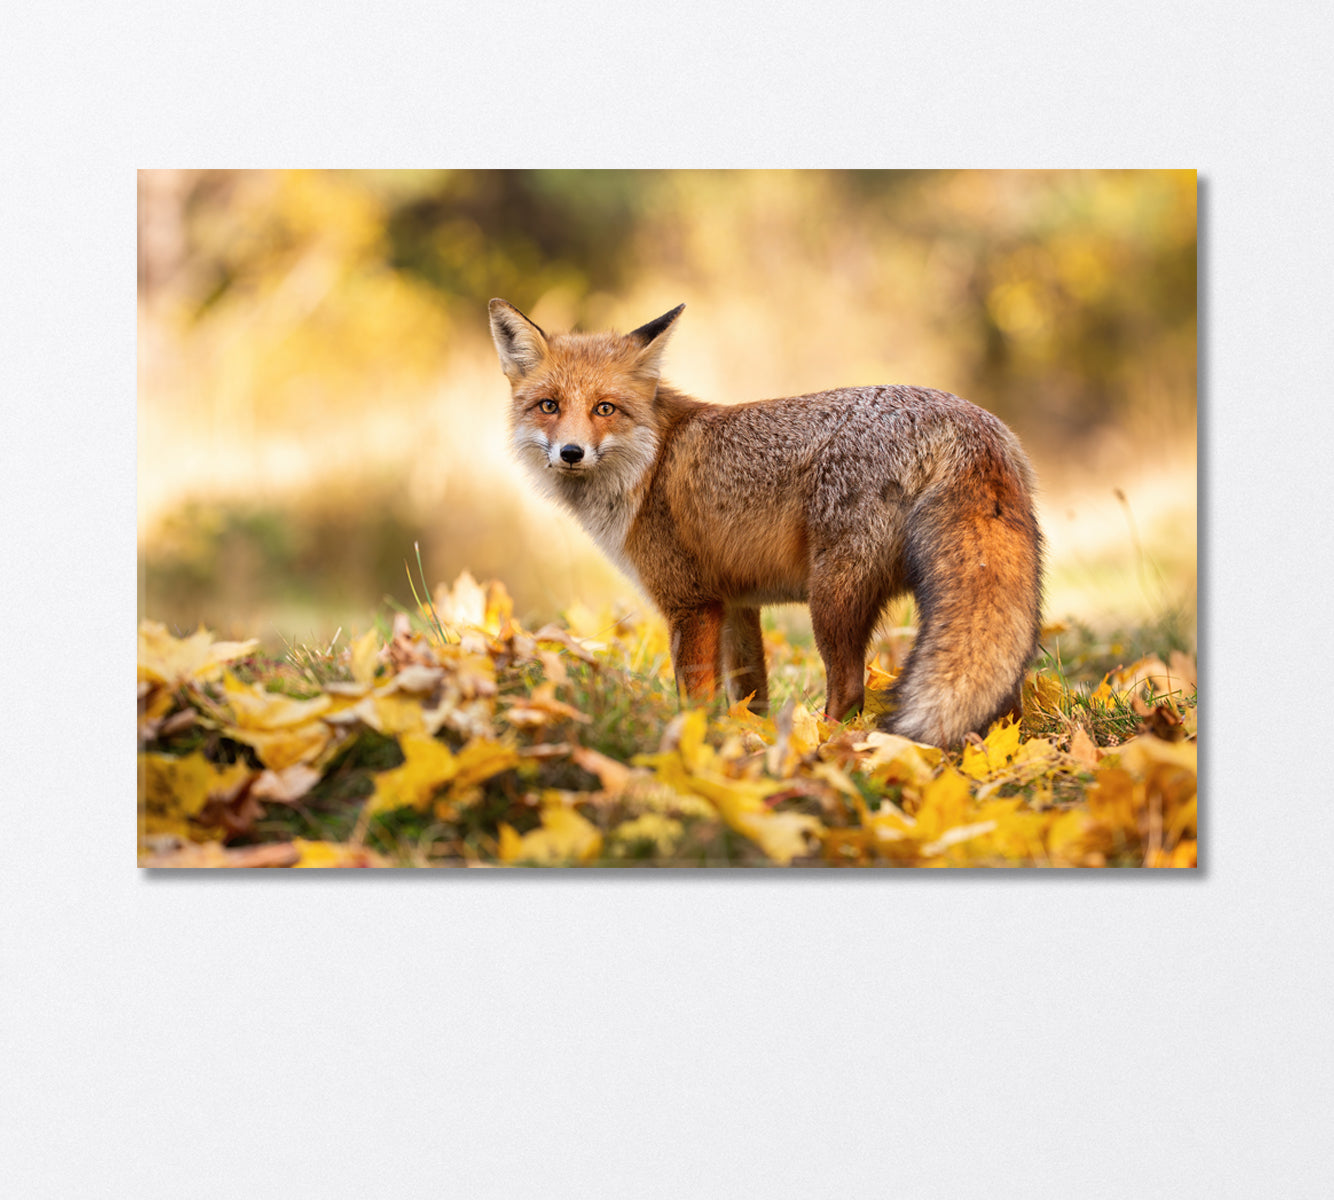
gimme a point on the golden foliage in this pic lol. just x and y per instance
(503, 740)
(172, 661)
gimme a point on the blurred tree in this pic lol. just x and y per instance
(466, 234)
(1069, 295)
(475, 233)
(313, 344)
(1072, 294)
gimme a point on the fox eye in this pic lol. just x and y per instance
(604, 409)
(548, 406)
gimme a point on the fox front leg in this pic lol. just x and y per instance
(743, 658)
(696, 641)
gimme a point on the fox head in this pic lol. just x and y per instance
(582, 414)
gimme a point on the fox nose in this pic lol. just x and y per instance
(571, 453)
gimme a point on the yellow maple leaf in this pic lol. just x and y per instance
(499, 604)
(283, 730)
(836, 777)
(956, 835)
(173, 791)
(510, 846)
(1139, 754)
(1183, 854)
(427, 764)
(1078, 839)
(1017, 837)
(781, 835)
(173, 661)
(255, 708)
(1111, 799)
(480, 759)
(470, 605)
(397, 707)
(995, 752)
(1104, 695)
(280, 749)
(878, 679)
(896, 759)
(365, 652)
(582, 622)
(564, 837)
(392, 714)
(695, 752)
(807, 731)
(1043, 695)
(740, 802)
(662, 833)
(762, 727)
(797, 733)
(946, 802)
(739, 710)
(1035, 750)
(155, 702)
(694, 768)
(336, 854)
(891, 831)
(462, 604)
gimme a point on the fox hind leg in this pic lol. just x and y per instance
(845, 606)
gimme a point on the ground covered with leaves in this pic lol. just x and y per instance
(454, 737)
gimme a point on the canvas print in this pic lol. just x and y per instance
(753, 519)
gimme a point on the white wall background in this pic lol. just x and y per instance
(770, 1034)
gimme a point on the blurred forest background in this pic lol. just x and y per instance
(318, 388)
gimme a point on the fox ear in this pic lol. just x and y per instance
(653, 338)
(655, 329)
(520, 343)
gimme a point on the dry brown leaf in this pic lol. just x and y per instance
(212, 854)
(611, 774)
(417, 678)
(1082, 748)
(406, 647)
(1183, 667)
(541, 707)
(285, 786)
(1165, 722)
(554, 633)
(543, 750)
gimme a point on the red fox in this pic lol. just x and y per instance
(842, 499)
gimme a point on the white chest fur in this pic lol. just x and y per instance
(605, 493)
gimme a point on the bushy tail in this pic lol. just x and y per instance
(974, 559)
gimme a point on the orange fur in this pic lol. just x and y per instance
(841, 499)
